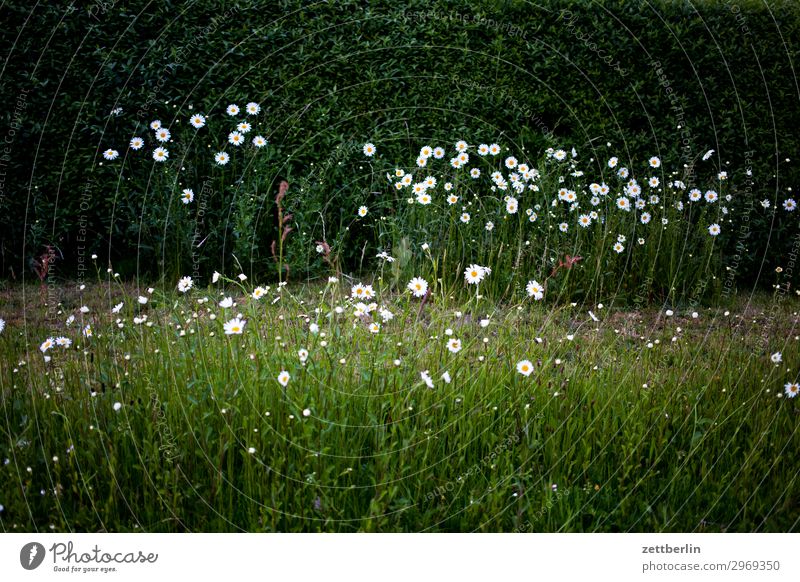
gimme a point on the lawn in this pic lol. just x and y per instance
(403, 413)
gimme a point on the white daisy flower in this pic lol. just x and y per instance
(185, 284)
(454, 345)
(535, 290)
(525, 367)
(221, 158)
(110, 154)
(369, 150)
(136, 143)
(163, 135)
(232, 110)
(283, 378)
(235, 138)
(160, 154)
(197, 121)
(418, 286)
(187, 196)
(259, 141)
(252, 108)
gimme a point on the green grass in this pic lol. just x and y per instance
(686, 435)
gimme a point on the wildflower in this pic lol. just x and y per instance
(653, 182)
(418, 286)
(2, 325)
(163, 135)
(438, 153)
(535, 290)
(584, 220)
(369, 150)
(461, 146)
(362, 211)
(525, 367)
(494, 149)
(252, 108)
(386, 315)
(612, 163)
(446, 377)
(47, 344)
(259, 141)
(185, 284)
(374, 327)
(226, 302)
(110, 154)
(87, 331)
(155, 124)
(221, 158)
(654, 162)
(187, 196)
(452, 199)
(234, 326)
(560, 155)
(283, 378)
(645, 217)
(776, 358)
(765, 203)
(454, 345)
(618, 246)
(197, 121)
(136, 143)
(465, 217)
(117, 406)
(711, 196)
(235, 138)
(426, 377)
(232, 110)
(789, 204)
(474, 274)
(313, 328)
(475, 173)
(791, 389)
(714, 229)
(160, 154)
(63, 342)
(512, 205)
(563, 227)
(117, 308)
(623, 203)
(707, 155)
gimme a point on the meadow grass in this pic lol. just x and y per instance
(639, 421)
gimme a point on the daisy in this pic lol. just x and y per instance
(226, 302)
(63, 342)
(489, 226)
(584, 220)
(765, 203)
(110, 154)
(87, 331)
(475, 173)
(243, 127)
(283, 378)
(618, 246)
(525, 367)
(185, 284)
(535, 290)
(462, 158)
(117, 308)
(374, 327)
(563, 227)
(47, 344)
(358, 291)
(160, 154)
(235, 138)
(422, 162)
(163, 135)
(791, 389)
(695, 195)
(232, 110)
(474, 274)
(369, 150)
(454, 345)
(221, 158)
(426, 152)
(252, 108)
(776, 358)
(594, 201)
(622, 173)
(560, 155)
(418, 286)
(155, 124)
(438, 153)
(645, 217)
(362, 211)
(612, 163)
(234, 326)
(461, 146)
(711, 196)
(623, 203)
(714, 229)
(483, 149)
(708, 154)
(452, 199)
(465, 217)
(424, 199)
(197, 121)
(426, 377)
(789, 204)
(137, 143)
(386, 315)
(494, 149)
(654, 199)
(187, 196)
(446, 377)
(654, 162)
(259, 292)
(512, 205)
(511, 162)
(653, 182)
(302, 353)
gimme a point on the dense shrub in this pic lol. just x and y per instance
(330, 76)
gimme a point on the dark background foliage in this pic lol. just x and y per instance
(528, 74)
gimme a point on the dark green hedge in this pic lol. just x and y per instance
(396, 73)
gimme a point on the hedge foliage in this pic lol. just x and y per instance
(332, 75)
